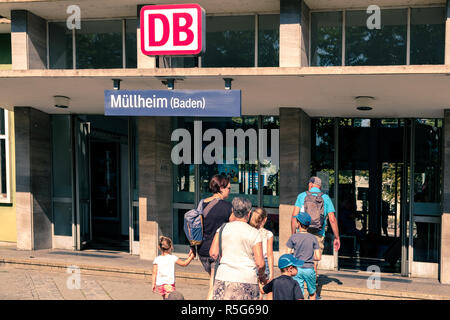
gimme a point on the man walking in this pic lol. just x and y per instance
(320, 207)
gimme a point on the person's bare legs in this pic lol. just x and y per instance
(211, 284)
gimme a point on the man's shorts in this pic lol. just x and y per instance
(307, 275)
(321, 240)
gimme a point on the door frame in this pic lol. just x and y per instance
(77, 226)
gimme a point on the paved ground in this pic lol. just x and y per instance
(29, 284)
(42, 274)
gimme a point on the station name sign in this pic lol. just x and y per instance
(172, 29)
(173, 103)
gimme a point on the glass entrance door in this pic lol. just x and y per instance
(426, 194)
(82, 183)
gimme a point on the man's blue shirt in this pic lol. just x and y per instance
(328, 204)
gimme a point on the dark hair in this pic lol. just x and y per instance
(217, 182)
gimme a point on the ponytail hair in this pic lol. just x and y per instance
(165, 243)
(258, 216)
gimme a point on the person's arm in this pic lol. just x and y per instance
(270, 256)
(259, 260)
(214, 249)
(184, 263)
(335, 228)
(293, 220)
(317, 255)
(154, 273)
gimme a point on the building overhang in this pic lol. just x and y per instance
(399, 91)
(57, 9)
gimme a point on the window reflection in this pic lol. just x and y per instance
(385, 46)
(60, 46)
(326, 39)
(99, 45)
(427, 35)
(268, 40)
(230, 41)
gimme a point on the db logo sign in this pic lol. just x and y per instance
(172, 29)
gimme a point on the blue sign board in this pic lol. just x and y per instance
(173, 103)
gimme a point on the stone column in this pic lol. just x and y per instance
(28, 41)
(295, 164)
(155, 183)
(445, 221)
(143, 61)
(33, 179)
(294, 33)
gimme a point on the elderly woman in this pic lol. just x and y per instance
(242, 262)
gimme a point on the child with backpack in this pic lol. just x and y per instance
(305, 247)
(163, 276)
(258, 221)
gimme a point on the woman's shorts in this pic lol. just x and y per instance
(307, 275)
(225, 290)
(165, 289)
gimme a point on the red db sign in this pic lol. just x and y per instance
(172, 29)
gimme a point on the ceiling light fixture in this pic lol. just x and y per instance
(364, 103)
(61, 102)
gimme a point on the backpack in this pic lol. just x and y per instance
(314, 206)
(193, 222)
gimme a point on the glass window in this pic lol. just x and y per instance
(230, 41)
(427, 167)
(427, 35)
(322, 164)
(270, 171)
(62, 174)
(5, 49)
(326, 39)
(60, 46)
(268, 40)
(178, 62)
(243, 173)
(426, 239)
(369, 47)
(99, 45)
(131, 43)
(5, 196)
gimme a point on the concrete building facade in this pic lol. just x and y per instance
(366, 109)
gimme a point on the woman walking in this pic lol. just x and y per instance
(241, 263)
(216, 211)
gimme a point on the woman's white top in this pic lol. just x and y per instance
(265, 236)
(238, 263)
(166, 269)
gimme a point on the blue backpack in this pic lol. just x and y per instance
(193, 222)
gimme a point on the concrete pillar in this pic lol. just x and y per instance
(33, 179)
(294, 33)
(143, 61)
(155, 183)
(295, 164)
(447, 34)
(445, 222)
(28, 41)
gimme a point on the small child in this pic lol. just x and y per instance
(305, 247)
(285, 287)
(258, 220)
(163, 276)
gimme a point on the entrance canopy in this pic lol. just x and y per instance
(398, 91)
